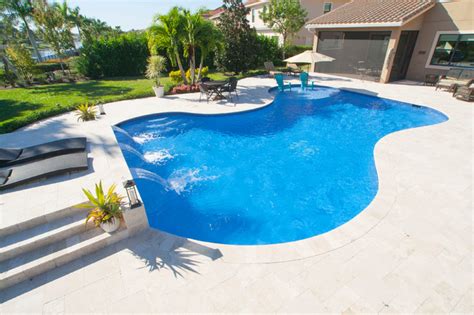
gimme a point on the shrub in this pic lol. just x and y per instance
(122, 55)
(20, 56)
(267, 50)
(175, 76)
(156, 65)
(293, 50)
(204, 72)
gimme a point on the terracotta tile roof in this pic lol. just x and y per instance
(374, 11)
(211, 13)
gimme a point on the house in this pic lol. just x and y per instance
(390, 40)
(314, 8)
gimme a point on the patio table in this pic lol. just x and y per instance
(216, 87)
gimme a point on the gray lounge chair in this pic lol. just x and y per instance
(271, 68)
(44, 168)
(10, 157)
(454, 78)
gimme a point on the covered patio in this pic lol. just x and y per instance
(369, 39)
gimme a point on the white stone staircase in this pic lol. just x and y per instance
(44, 243)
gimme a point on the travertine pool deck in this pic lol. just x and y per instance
(409, 251)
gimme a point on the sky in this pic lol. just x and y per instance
(134, 14)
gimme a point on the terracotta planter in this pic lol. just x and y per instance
(110, 226)
(159, 91)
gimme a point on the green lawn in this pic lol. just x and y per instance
(22, 106)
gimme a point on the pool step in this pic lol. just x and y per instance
(34, 247)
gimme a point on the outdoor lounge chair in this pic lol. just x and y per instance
(304, 81)
(231, 87)
(281, 84)
(10, 157)
(293, 69)
(466, 92)
(271, 68)
(61, 164)
(454, 78)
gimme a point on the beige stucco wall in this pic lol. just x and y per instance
(446, 16)
(315, 9)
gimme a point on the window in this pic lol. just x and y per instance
(253, 15)
(454, 50)
(327, 7)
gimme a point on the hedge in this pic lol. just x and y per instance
(122, 55)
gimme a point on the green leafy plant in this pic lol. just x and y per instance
(86, 112)
(204, 72)
(20, 56)
(285, 17)
(238, 38)
(156, 65)
(104, 206)
(176, 77)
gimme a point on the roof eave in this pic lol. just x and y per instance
(353, 25)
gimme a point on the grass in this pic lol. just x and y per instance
(22, 106)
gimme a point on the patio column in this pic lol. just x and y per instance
(390, 55)
(312, 66)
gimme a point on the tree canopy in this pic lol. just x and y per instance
(239, 39)
(286, 17)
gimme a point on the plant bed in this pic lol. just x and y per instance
(181, 89)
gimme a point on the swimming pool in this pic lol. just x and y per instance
(299, 167)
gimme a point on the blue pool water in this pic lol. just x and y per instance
(297, 168)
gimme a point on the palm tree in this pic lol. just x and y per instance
(168, 30)
(208, 39)
(23, 9)
(76, 18)
(196, 37)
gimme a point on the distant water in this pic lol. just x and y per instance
(297, 168)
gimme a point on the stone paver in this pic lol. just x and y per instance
(409, 251)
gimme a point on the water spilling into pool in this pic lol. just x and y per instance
(297, 168)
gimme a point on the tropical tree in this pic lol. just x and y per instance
(239, 39)
(168, 31)
(54, 28)
(23, 9)
(76, 18)
(208, 40)
(286, 17)
(20, 56)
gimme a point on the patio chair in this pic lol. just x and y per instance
(304, 81)
(293, 69)
(431, 79)
(281, 83)
(465, 92)
(14, 156)
(231, 87)
(204, 89)
(271, 69)
(44, 168)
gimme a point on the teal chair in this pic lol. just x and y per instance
(281, 84)
(304, 81)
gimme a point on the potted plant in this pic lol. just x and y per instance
(156, 65)
(105, 208)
